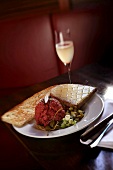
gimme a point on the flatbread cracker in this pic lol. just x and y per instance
(73, 94)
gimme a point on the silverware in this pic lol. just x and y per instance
(96, 128)
(98, 139)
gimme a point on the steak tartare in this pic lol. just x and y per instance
(49, 113)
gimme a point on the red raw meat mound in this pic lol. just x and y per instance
(46, 112)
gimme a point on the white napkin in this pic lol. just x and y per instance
(107, 140)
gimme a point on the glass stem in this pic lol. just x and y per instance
(69, 69)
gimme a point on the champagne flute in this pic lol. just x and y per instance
(65, 52)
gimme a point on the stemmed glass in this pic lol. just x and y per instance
(65, 51)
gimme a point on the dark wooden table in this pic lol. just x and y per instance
(65, 152)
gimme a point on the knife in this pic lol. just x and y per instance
(98, 139)
(97, 127)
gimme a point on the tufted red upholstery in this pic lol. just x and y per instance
(27, 54)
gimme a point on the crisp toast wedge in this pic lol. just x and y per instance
(25, 111)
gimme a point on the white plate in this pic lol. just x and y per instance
(93, 110)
